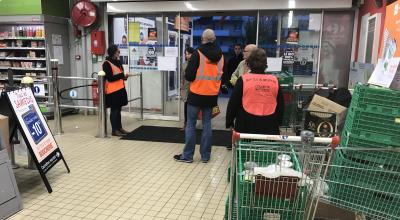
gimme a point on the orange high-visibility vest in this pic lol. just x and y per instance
(208, 77)
(259, 94)
(116, 85)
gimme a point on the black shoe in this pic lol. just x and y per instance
(118, 134)
(205, 161)
(178, 158)
(123, 131)
(229, 147)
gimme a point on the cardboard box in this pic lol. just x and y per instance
(319, 103)
(4, 133)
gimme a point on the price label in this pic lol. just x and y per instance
(34, 125)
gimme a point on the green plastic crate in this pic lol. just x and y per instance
(363, 174)
(363, 188)
(371, 190)
(383, 128)
(384, 157)
(285, 78)
(368, 202)
(380, 100)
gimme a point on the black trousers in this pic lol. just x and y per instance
(115, 118)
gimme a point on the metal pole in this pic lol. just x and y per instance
(232, 180)
(12, 156)
(319, 48)
(279, 33)
(56, 97)
(102, 107)
(141, 96)
(258, 26)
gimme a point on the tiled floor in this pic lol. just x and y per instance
(116, 179)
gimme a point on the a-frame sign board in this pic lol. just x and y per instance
(35, 131)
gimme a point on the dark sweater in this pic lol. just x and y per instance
(244, 122)
(118, 98)
(214, 54)
(230, 67)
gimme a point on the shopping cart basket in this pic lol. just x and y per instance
(277, 177)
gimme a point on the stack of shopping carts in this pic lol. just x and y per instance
(276, 177)
(365, 173)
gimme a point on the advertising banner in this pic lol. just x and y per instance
(34, 129)
(385, 73)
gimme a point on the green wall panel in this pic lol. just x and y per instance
(59, 8)
(20, 7)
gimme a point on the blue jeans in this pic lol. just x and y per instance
(190, 133)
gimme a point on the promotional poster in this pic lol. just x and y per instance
(386, 72)
(38, 135)
(143, 47)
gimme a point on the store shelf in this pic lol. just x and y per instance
(23, 58)
(22, 48)
(22, 68)
(19, 79)
(22, 38)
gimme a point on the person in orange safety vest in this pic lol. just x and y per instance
(256, 105)
(116, 95)
(204, 71)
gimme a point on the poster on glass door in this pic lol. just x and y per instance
(142, 44)
(120, 38)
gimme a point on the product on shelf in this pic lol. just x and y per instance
(31, 54)
(19, 43)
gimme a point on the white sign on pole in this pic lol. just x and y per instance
(171, 51)
(166, 63)
(73, 94)
(58, 54)
(274, 64)
(39, 90)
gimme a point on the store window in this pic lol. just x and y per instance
(294, 36)
(299, 45)
(268, 34)
(228, 30)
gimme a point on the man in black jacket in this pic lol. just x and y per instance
(232, 64)
(205, 78)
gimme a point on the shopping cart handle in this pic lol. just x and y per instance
(334, 141)
(235, 136)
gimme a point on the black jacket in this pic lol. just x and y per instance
(214, 54)
(118, 98)
(230, 67)
(244, 122)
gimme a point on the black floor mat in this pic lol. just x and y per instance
(174, 135)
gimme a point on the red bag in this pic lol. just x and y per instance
(215, 112)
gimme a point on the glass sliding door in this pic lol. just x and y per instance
(145, 45)
(171, 54)
(150, 45)
(337, 35)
